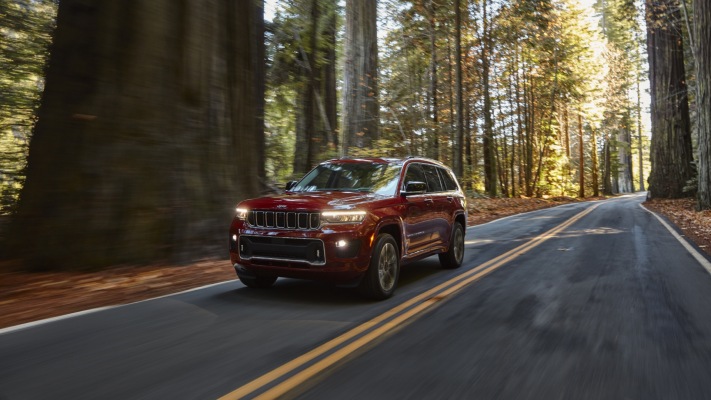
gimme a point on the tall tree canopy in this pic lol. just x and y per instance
(146, 135)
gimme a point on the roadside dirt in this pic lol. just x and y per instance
(695, 226)
(26, 297)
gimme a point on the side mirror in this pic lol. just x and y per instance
(291, 184)
(414, 187)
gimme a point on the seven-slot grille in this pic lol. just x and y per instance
(284, 219)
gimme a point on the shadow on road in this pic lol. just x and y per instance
(296, 291)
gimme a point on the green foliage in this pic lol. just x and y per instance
(25, 34)
(299, 128)
(279, 136)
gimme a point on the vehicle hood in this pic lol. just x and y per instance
(311, 201)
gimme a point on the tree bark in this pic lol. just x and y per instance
(640, 149)
(360, 87)
(146, 135)
(671, 153)
(519, 123)
(259, 60)
(607, 170)
(306, 117)
(316, 119)
(581, 157)
(529, 111)
(702, 29)
(458, 159)
(490, 172)
(434, 110)
(595, 169)
(330, 93)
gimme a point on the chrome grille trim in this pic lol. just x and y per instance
(284, 220)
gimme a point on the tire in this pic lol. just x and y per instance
(381, 278)
(454, 256)
(257, 282)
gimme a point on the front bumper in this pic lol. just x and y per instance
(337, 253)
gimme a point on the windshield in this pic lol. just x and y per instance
(380, 179)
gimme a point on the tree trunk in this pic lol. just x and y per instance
(489, 147)
(581, 157)
(146, 135)
(360, 86)
(702, 29)
(330, 93)
(514, 136)
(306, 117)
(434, 111)
(628, 159)
(529, 109)
(259, 60)
(607, 169)
(458, 159)
(671, 139)
(468, 146)
(622, 179)
(566, 140)
(593, 158)
(519, 123)
(640, 149)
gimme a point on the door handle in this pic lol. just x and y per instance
(450, 199)
(428, 200)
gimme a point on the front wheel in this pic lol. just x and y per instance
(454, 256)
(381, 277)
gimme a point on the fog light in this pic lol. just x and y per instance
(347, 248)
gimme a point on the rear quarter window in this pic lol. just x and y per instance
(448, 180)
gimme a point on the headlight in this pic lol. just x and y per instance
(241, 213)
(342, 217)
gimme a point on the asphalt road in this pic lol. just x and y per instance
(607, 306)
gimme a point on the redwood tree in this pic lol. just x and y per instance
(316, 123)
(489, 146)
(702, 43)
(459, 141)
(671, 153)
(146, 136)
(360, 86)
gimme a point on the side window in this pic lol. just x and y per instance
(433, 182)
(414, 173)
(448, 180)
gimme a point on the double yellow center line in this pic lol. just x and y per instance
(367, 333)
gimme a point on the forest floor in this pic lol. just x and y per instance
(26, 297)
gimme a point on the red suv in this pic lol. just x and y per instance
(352, 221)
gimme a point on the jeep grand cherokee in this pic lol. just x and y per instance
(352, 221)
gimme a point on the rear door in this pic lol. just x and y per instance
(440, 217)
(418, 220)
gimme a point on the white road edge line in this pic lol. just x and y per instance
(93, 310)
(698, 256)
